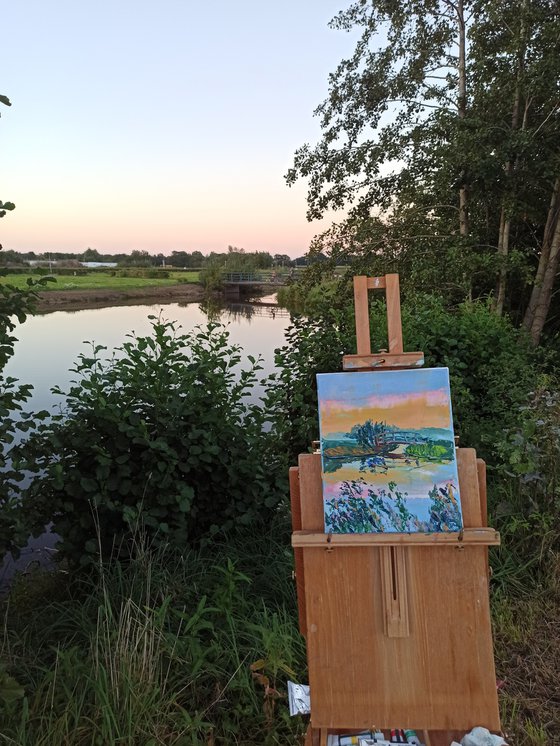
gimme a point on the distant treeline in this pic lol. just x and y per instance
(234, 259)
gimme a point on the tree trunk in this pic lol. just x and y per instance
(464, 227)
(510, 168)
(551, 222)
(545, 296)
(503, 250)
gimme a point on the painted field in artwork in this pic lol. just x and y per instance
(388, 452)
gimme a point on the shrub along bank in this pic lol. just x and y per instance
(161, 434)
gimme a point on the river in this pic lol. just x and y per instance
(48, 347)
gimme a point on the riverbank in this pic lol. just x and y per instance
(74, 300)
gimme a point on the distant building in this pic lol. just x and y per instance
(95, 265)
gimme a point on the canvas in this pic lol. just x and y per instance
(388, 452)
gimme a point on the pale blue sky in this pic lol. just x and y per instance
(161, 125)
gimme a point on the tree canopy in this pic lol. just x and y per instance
(439, 139)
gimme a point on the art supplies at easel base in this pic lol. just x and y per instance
(368, 738)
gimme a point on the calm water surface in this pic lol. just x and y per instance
(48, 346)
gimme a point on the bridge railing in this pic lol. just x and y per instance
(270, 278)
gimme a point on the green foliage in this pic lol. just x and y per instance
(532, 452)
(150, 274)
(442, 123)
(44, 271)
(15, 305)
(491, 364)
(162, 649)
(160, 435)
(313, 345)
(211, 276)
(4, 206)
(525, 501)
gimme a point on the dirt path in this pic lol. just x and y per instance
(74, 300)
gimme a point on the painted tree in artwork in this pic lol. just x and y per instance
(370, 434)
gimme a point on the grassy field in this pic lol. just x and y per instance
(101, 281)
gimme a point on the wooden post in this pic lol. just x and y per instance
(394, 325)
(361, 309)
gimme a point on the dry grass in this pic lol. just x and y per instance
(527, 645)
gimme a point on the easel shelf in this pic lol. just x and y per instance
(469, 536)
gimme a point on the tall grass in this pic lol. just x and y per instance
(167, 649)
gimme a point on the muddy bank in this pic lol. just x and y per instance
(75, 300)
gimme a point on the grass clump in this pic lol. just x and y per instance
(162, 649)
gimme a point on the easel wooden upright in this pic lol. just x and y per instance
(397, 625)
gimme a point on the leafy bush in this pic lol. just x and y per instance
(160, 435)
(526, 505)
(492, 366)
(312, 346)
(15, 305)
(211, 276)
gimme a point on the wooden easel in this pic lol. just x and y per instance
(397, 625)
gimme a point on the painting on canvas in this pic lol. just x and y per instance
(388, 452)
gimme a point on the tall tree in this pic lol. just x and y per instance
(380, 102)
(515, 62)
(445, 123)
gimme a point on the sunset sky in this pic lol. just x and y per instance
(407, 399)
(163, 125)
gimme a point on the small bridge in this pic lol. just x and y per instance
(269, 279)
(247, 310)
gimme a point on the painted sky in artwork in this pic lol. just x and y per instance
(406, 399)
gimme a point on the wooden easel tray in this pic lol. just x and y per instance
(469, 536)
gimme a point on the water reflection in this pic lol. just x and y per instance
(48, 345)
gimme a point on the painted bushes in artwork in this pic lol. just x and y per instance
(362, 510)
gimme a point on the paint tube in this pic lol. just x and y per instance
(350, 740)
(298, 699)
(411, 737)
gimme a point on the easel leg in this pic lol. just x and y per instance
(323, 737)
(311, 737)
